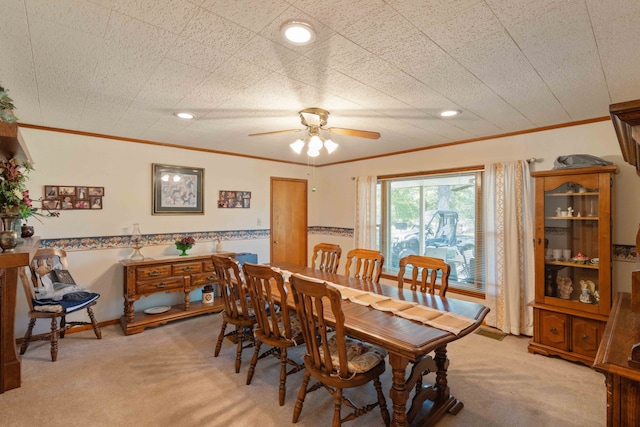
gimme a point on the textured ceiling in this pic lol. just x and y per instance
(122, 67)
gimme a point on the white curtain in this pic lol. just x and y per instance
(509, 210)
(365, 229)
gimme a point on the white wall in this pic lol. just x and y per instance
(124, 169)
(599, 139)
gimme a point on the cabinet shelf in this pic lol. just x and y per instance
(575, 304)
(573, 194)
(572, 264)
(575, 218)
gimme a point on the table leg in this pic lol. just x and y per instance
(442, 363)
(399, 393)
(187, 290)
(430, 402)
(128, 310)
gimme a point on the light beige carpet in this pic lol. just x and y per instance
(167, 376)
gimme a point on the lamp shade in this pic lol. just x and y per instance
(297, 146)
(315, 143)
(330, 146)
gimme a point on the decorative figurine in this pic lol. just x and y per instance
(564, 287)
(588, 292)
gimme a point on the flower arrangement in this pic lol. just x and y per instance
(185, 244)
(14, 196)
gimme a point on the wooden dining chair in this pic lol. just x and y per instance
(278, 325)
(328, 257)
(40, 282)
(367, 266)
(237, 307)
(427, 274)
(336, 361)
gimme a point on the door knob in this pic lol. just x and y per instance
(276, 242)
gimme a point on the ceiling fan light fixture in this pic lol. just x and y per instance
(450, 113)
(330, 146)
(184, 115)
(313, 153)
(297, 146)
(315, 143)
(298, 32)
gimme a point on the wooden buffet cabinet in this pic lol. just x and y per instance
(622, 380)
(618, 356)
(573, 213)
(172, 274)
(10, 262)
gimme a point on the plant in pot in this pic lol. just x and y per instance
(15, 203)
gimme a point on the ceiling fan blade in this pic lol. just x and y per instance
(276, 131)
(354, 132)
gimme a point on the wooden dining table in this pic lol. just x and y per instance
(406, 341)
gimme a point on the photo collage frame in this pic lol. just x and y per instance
(234, 199)
(65, 197)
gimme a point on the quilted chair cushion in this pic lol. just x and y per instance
(296, 328)
(361, 357)
(79, 300)
(250, 310)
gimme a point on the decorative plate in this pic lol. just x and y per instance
(157, 310)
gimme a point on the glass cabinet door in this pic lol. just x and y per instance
(574, 238)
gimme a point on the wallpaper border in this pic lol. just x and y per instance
(115, 242)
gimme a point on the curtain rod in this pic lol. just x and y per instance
(529, 160)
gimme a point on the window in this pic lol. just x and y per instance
(435, 214)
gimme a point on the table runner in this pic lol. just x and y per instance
(409, 310)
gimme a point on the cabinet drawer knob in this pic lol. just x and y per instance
(585, 338)
(188, 268)
(211, 278)
(161, 285)
(554, 330)
(155, 273)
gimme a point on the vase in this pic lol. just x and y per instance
(26, 231)
(9, 238)
(184, 249)
(8, 241)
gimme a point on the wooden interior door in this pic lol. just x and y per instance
(289, 220)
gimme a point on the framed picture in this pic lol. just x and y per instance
(66, 191)
(57, 197)
(96, 191)
(176, 190)
(234, 199)
(51, 192)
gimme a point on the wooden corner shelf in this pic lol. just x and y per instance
(12, 144)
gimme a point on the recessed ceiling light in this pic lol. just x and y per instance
(298, 32)
(450, 113)
(184, 115)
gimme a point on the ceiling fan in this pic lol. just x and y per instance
(316, 124)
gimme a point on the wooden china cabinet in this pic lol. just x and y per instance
(572, 261)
